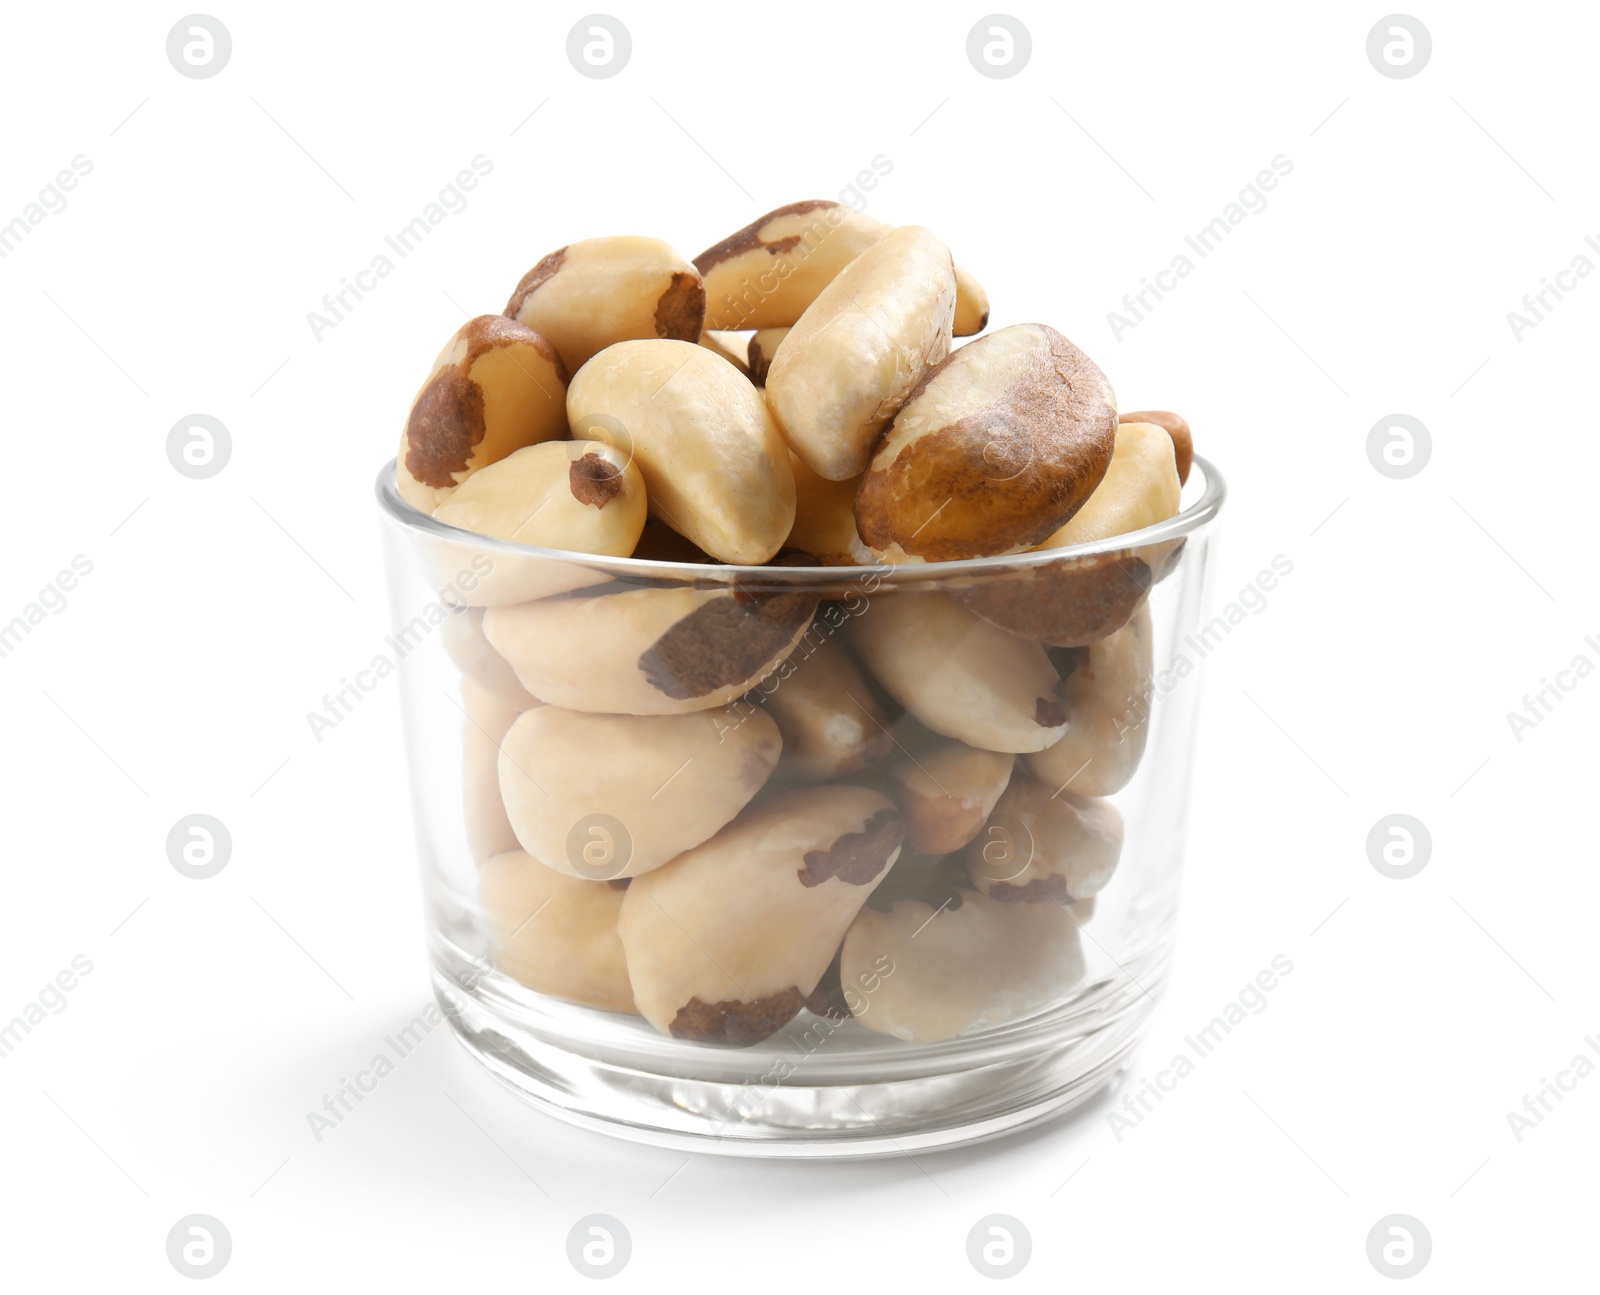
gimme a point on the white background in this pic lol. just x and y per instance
(1377, 680)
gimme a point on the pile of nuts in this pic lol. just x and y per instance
(719, 802)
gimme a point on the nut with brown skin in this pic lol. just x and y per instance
(486, 720)
(763, 346)
(725, 943)
(588, 295)
(1066, 603)
(479, 663)
(1043, 846)
(1176, 427)
(584, 496)
(555, 934)
(947, 793)
(713, 461)
(1139, 489)
(766, 274)
(608, 796)
(831, 723)
(959, 675)
(960, 969)
(659, 651)
(1107, 696)
(995, 449)
(860, 348)
(496, 387)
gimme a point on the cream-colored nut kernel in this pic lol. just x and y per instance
(713, 460)
(1083, 910)
(579, 495)
(726, 941)
(857, 352)
(1140, 488)
(972, 305)
(1107, 696)
(496, 387)
(968, 967)
(660, 651)
(768, 273)
(1176, 427)
(555, 934)
(957, 674)
(1045, 846)
(475, 657)
(994, 450)
(825, 518)
(764, 343)
(947, 793)
(733, 347)
(610, 796)
(486, 720)
(587, 295)
(831, 723)
(1065, 603)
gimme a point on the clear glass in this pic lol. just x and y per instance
(579, 869)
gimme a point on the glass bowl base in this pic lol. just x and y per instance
(853, 1094)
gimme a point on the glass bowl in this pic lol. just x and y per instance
(800, 860)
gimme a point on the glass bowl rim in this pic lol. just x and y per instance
(1201, 512)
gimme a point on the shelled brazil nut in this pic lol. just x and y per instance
(725, 943)
(972, 966)
(767, 274)
(496, 387)
(554, 934)
(997, 446)
(713, 462)
(583, 791)
(1046, 845)
(714, 793)
(652, 651)
(586, 296)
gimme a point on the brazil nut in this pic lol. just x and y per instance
(969, 966)
(766, 274)
(496, 387)
(993, 451)
(1140, 488)
(958, 674)
(555, 934)
(579, 495)
(725, 943)
(587, 295)
(714, 464)
(1045, 846)
(1176, 427)
(603, 797)
(947, 793)
(831, 723)
(658, 651)
(854, 356)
